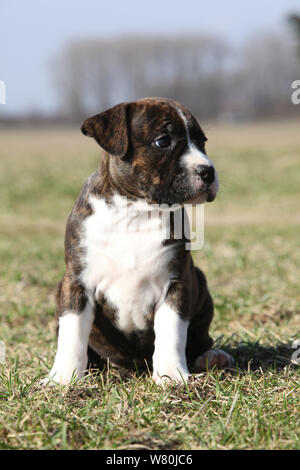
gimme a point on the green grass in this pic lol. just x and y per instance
(251, 260)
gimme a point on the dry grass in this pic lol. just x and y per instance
(251, 259)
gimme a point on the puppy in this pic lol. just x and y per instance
(131, 293)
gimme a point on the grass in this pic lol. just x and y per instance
(250, 257)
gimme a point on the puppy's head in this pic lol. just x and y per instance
(157, 151)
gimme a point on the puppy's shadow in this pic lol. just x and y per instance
(248, 356)
(255, 356)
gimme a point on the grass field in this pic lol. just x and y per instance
(251, 259)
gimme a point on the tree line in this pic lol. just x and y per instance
(211, 77)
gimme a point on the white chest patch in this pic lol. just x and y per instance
(125, 258)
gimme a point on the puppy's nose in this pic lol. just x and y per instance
(207, 173)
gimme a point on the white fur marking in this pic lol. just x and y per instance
(169, 349)
(194, 157)
(125, 258)
(181, 114)
(71, 356)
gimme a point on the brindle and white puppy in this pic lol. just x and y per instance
(131, 296)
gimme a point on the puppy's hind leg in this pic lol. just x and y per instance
(75, 319)
(200, 356)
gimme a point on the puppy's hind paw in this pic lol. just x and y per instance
(213, 358)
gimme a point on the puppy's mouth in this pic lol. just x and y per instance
(190, 188)
(196, 193)
(182, 192)
(201, 196)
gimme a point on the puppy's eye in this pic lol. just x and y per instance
(163, 142)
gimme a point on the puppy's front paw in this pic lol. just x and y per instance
(214, 357)
(61, 378)
(170, 374)
(54, 380)
(47, 381)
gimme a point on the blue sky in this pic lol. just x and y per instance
(34, 31)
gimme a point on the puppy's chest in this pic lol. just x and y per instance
(125, 259)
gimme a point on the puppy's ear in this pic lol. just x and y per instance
(109, 129)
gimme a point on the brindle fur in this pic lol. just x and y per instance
(133, 169)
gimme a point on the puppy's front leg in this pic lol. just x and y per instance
(169, 359)
(73, 336)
